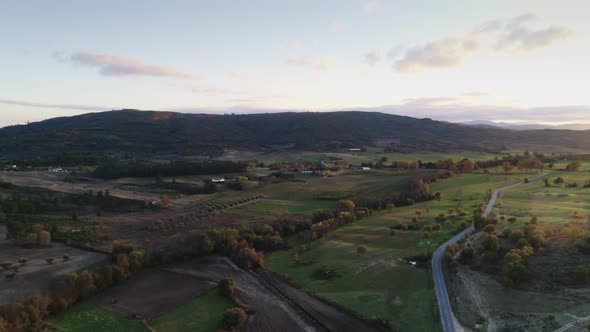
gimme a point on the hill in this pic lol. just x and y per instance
(143, 133)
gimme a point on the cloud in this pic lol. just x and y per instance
(120, 66)
(317, 63)
(59, 106)
(520, 38)
(515, 35)
(488, 26)
(454, 110)
(371, 58)
(438, 54)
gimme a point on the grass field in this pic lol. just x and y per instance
(552, 205)
(373, 154)
(291, 206)
(204, 314)
(379, 283)
(91, 317)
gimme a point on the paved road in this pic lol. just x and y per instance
(446, 312)
(573, 324)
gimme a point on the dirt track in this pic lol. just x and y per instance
(274, 305)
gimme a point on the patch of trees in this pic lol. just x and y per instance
(574, 166)
(176, 168)
(29, 314)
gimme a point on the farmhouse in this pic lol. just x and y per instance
(57, 169)
(354, 150)
(218, 180)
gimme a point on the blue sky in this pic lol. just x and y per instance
(518, 61)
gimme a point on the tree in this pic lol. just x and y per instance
(468, 165)
(361, 249)
(346, 205)
(136, 260)
(85, 284)
(558, 181)
(2, 217)
(489, 229)
(575, 166)
(227, 287)
(233, 318)
(49, 260)
(514, 269)
(44, 238)
(491, 243)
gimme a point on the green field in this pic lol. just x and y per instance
(373, 154)
(302, 207)
(379, 283)
(90, 317)
(204, 314)
(552, 205)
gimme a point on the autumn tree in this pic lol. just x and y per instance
(233, 318)
(514, 269)
(468, 165)
(507, 167)
(228, 287)
(44, 238)
(575, 166)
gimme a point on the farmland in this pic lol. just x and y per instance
(552, 294)
(371, 283)
(375, 267)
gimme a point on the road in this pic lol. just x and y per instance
(449, 321)
(573, 324)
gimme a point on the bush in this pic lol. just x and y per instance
(234, 318)
(227, 287)
(361, 249)
(491, 243)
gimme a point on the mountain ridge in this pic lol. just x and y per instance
(134, 132)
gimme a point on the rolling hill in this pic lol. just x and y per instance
(135, 133)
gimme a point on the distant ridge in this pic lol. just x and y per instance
(143, 133)
(531, 126)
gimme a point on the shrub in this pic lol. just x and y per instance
(489, 229)
(234, 318)
(491, 243)
(361, 249)
(227, 287)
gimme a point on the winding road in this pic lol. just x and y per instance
(449, 321)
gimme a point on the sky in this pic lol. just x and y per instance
(502, 60)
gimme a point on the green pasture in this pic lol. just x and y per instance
(88, 316)
(380, 283)
(204, 314)
(552, 205)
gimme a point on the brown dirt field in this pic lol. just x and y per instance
(152, 293)
(479, 297)
(273, 304)
(140, 228)
(36, 275)
(55, 182)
